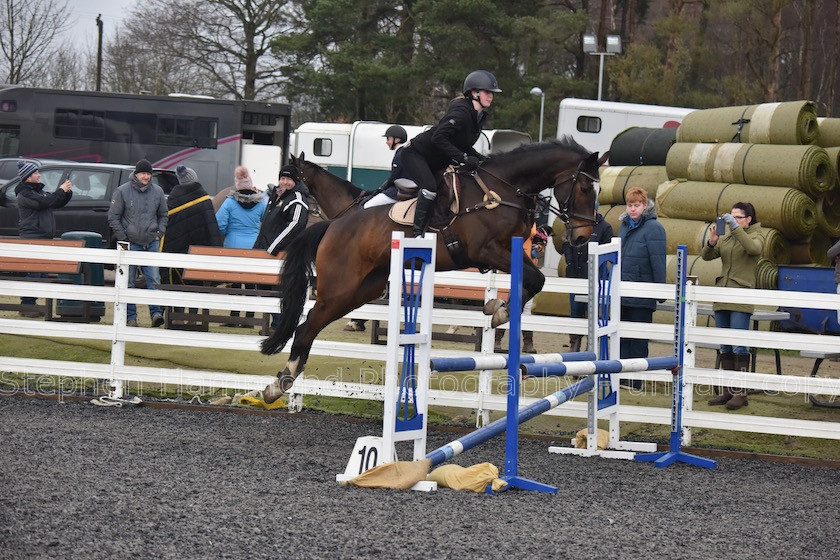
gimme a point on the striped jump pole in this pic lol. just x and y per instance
(500, 361)
(520, 416)
(599, 367)
(675, 453)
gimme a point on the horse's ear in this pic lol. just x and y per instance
(603, 158)
(302, 156)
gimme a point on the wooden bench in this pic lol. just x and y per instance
(222, 282)
(50, 267)
(819, 357)
(473, 295)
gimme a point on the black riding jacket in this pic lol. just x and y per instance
(451, 139)
(285, 218)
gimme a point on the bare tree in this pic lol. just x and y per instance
(28, 34)
(229, 41)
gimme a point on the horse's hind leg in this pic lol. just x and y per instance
(326, 310)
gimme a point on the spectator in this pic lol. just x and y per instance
(534, 247)
(286, 214)
(191, 220)
(35, 208)
(739, 253)
(577, 263)
(642, 260)
(285, 217)
(138, 215)
(240, 216)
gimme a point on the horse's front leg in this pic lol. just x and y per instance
(532, 283)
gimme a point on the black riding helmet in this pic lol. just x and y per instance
(396, 131)
(481, 79)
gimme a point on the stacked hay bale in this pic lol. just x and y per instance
(763, 154)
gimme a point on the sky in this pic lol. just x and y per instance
(84, 32)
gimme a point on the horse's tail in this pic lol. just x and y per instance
(294, 281)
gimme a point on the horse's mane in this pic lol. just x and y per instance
(565, 142)
(354, 190)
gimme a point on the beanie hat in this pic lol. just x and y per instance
(291, 172)
(186, 175)
(243, 178)
(143, 166)
(25, 169)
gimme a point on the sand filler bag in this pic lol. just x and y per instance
(791, 122)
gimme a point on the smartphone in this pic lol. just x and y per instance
(721, 226)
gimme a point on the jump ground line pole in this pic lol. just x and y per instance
(675, 454)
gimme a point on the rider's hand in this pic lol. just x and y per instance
(471, 163)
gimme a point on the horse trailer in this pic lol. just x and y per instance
(594, 124)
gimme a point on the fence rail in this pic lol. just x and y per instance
(483, 399)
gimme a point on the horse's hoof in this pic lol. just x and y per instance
(355, 326)
(279, 388)
(272, 392)
(501, 317)
(492, 306)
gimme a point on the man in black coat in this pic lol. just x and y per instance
(287, 212)
(35, 208)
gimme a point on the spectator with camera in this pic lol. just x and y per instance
(739, 252)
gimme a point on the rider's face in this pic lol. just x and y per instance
(485, 98)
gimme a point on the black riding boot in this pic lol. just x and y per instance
(423, 211)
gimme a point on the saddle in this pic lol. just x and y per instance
(446, 207)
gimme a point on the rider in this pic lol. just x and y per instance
(450, 141)
(395, 138)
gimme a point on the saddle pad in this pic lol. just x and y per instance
(403, 212)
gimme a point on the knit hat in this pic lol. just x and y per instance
(186, 175)
(25, 169)
(143, 166)
(291, 172)
(243, 178)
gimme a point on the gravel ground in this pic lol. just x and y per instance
(80, 481)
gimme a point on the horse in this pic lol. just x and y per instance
(334, 195)
(352, 254)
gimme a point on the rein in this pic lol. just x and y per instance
(565, 211)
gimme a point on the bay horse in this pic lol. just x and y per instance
(352, 254)
(335, 196)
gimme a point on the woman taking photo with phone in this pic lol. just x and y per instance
(739, 252)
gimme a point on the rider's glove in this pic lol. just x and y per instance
(470, 163)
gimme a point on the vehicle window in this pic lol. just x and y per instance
(9, 194)
(323, 147)
(90, 184)
(51, 178)
(588, 124)
(8, 170)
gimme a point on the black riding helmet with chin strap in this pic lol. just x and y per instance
(481, 79)
(396, 131)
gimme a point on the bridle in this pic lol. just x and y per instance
(565, 211)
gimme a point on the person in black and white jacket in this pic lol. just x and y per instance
(287, 212)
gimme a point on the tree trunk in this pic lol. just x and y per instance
(805, 89)
(772, 91)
